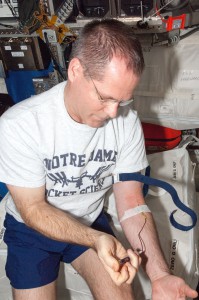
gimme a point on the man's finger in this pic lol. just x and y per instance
(190, 292)
(134, 259)
(120, 276)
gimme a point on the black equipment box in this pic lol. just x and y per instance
(24, 53)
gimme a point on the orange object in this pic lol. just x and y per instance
(159, 138)
(175, 22)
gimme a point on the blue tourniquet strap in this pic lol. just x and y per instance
(170, 189)
(145, 188)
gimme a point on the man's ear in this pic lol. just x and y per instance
(75, 69)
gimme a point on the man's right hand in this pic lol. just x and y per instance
(110, 251)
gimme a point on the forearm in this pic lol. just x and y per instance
(129, 195)
(152, 259)
(59, 225)
(38, 214)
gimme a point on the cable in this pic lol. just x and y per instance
(182, 4)
(8, 26)
(29, 12)
(11, 9)
(156, 12)
(189, 33)
(56, 65)
(143, 247)
(11, 27)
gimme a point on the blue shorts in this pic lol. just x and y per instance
(34, 259)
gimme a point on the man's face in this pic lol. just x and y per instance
(99, 101)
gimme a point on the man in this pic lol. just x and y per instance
(57, 156)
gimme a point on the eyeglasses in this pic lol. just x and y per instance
(110, 101)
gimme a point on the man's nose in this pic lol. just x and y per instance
(111, 110)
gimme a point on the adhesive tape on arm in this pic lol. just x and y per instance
(134, 211)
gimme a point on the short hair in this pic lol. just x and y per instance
(99, 40)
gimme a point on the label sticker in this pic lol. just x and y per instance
(173, 255)
(174, 174)
(23, 47)
(17, 54)
(21, 66)
(187, 79)
(8, 48)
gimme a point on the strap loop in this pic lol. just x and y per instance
(170, 189)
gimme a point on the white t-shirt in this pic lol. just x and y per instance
(41, 145)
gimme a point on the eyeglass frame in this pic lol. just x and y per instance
(110, 101)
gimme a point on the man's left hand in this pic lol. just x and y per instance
(171, 287)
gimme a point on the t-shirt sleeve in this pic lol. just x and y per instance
(132, 156)
(20, 164)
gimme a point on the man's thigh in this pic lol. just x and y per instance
(33, 260)
(29, 264)
(99, 281)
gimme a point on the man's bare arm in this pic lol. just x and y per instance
(164, 285)
(38, 214)
(129, 195)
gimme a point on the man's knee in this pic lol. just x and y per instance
(46, 292)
